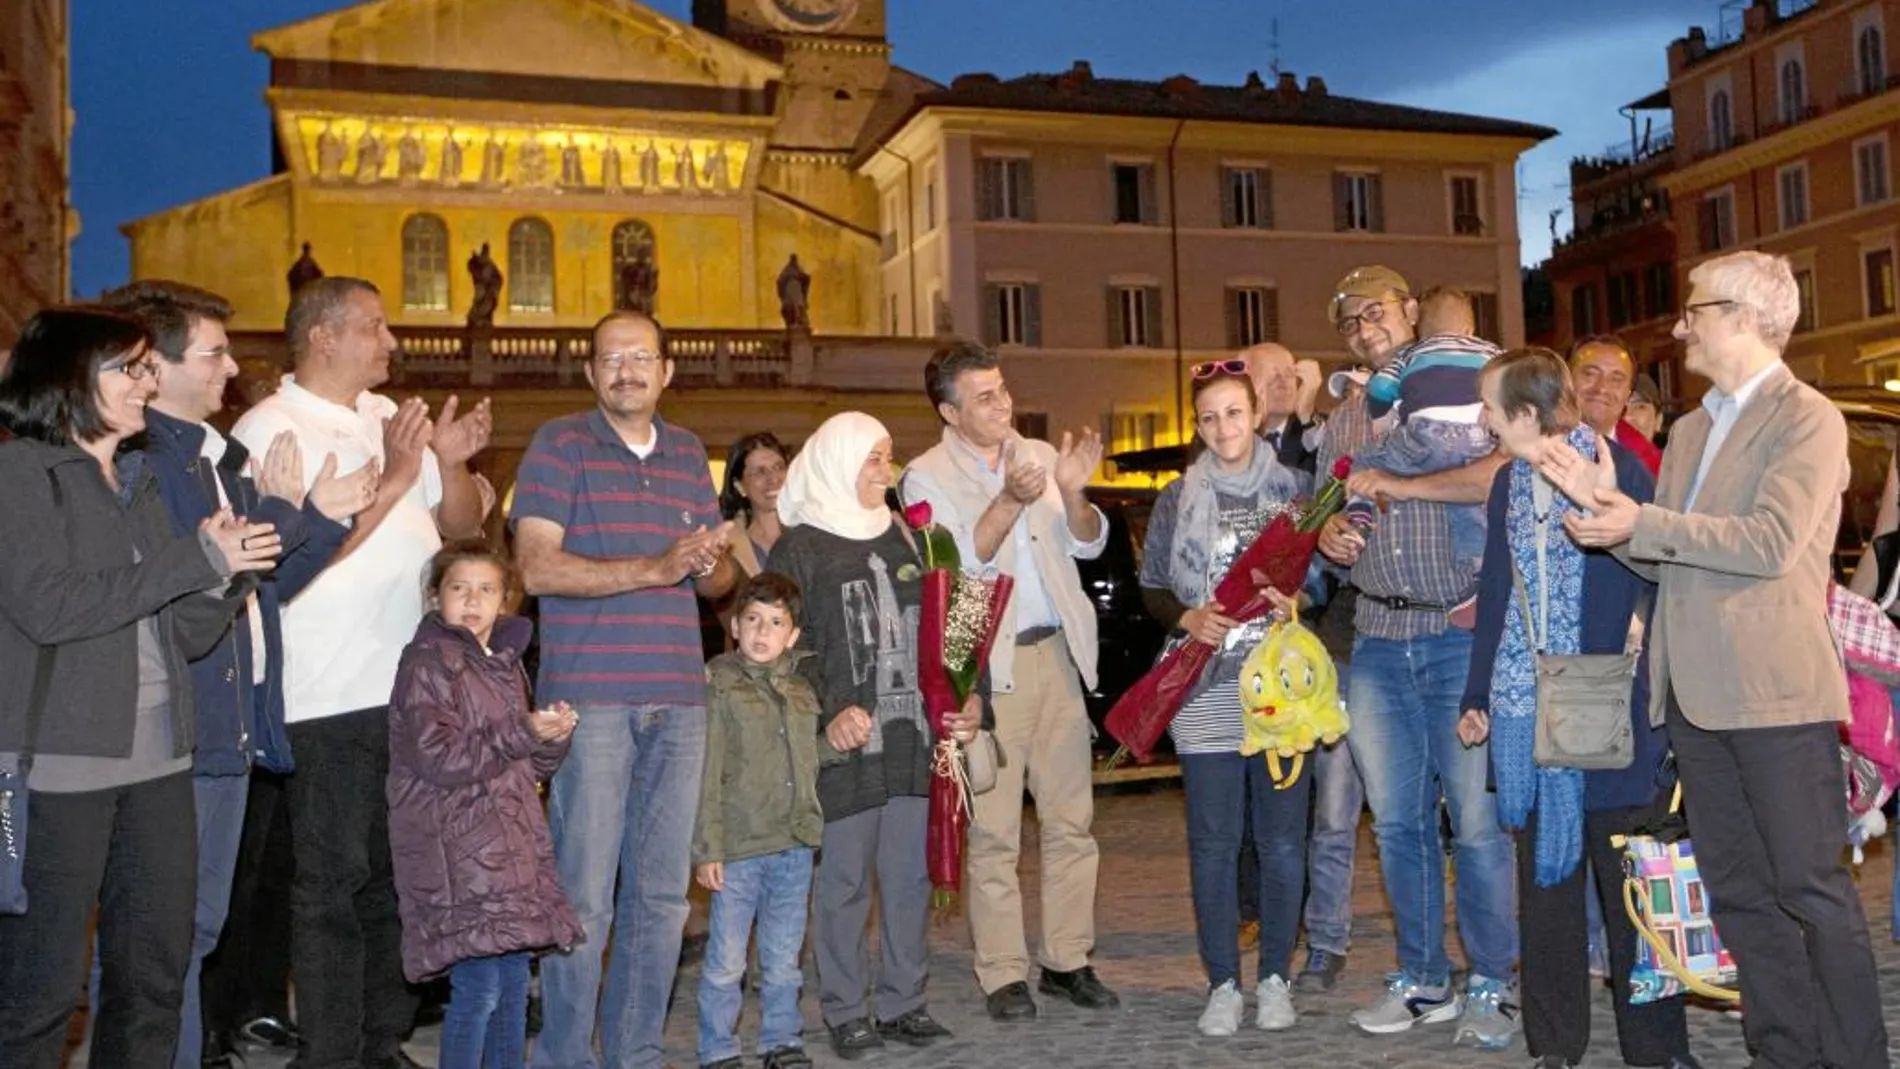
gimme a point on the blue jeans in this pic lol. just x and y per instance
(1222, 790)
(1404, 703)
(487, 1019)
(1424, 447)
(621, 809)
(776, 889)
(1338, 798)
(219, 805)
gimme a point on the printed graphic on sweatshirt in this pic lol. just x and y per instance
(883, 644)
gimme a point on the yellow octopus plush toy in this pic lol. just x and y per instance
(1289, 700)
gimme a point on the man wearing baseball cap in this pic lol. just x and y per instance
(1408, 676)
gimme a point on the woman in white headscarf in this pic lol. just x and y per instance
(859, 572)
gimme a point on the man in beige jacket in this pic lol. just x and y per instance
(1743, 668)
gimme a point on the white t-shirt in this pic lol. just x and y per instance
(345, 632)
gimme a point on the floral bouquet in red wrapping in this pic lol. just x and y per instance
(961, 613)
(1276, 560)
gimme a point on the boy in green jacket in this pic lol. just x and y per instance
(759, 821)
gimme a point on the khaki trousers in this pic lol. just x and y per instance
(1043, 729)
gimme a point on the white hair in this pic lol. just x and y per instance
(1760, 281)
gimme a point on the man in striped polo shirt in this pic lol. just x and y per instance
(616, 528)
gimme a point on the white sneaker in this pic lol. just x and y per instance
(1224, 1007)
(1275, 1012)
(1491, 1014)
(1407, 1003)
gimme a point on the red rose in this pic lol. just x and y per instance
(1342, 468)
(918, 515)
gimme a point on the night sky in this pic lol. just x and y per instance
(170, 95)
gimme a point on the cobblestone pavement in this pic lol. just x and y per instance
(1145, 950)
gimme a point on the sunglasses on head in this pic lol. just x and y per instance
(1219, 367)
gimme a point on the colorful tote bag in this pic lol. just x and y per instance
(1677, 948)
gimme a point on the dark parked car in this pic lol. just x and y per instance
(1130, 638)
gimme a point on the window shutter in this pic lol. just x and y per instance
(1342, 201)
(992, 316)
(1229, 213)
(1263, 201)
(1026, 189)
(1032, 314)
(1117, 333)
(1270, 315)
(986, 189)
(1707, 220)
(1375, 207)
(1234, 338)
(1151, 297)
(1150, 208)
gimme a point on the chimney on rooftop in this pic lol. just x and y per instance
(1315, 86)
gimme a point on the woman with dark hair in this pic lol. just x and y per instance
(101, 609)
(1580, 602)
(1201, 523)
(755, 473)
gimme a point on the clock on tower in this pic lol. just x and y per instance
(807, 16)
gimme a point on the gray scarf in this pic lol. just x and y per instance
(1264, 480)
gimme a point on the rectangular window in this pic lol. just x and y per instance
(1583, 311)
(1253, 316)
(1484, 315)
(1134, 191)
(1659, 285)
(1012, 314)
(1124, 432)
(1032, 425)
(1134, 316)
(1622, 299)
(1716, 222)
(1870, 166)
(1466, 219)
(1358, 201)
(1878, 264)
(1804, 286)
(1247, 195)
(1006, 189)
(1793, 185)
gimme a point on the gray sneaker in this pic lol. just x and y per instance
(1275, 1012)
(1321, 973)
(1224, 1007)
(1491, 1015)
(1406, 1003)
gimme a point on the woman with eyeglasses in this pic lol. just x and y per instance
(102, 607)
(1201, 523)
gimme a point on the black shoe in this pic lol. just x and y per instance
(1080, 987)
(854, 1039)
(915, 1029)
(398, 1060)
(1011, 1002)
(724, 1063)
(270, 1032)
(693, 947)
(786, 1058)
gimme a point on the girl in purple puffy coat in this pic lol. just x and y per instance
(474, 862)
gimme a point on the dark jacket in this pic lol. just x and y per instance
(1611, 593)
(69, 579)
(239, 721)
(473, 858)
(759, 794)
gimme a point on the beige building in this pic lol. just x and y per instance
(37, 223)
(1107, 234)
(1785, 129)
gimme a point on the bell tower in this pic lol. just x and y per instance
(835, 55)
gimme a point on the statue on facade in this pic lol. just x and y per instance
(410, 158)
(639, 283)
(487, 278)
(304, 271)
(330, 153)
(450, 171)
(650, 169)
(683, 167)
(794, 295)
(532, 168)
(494, 157)
(573, 175)
(369, 157)
(610, 169)
(718, 175)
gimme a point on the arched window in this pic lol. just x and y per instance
(425, 264)
(530, 266)
(632, 243)
(1721, 123)
(1871, 55)
(1794, 97)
